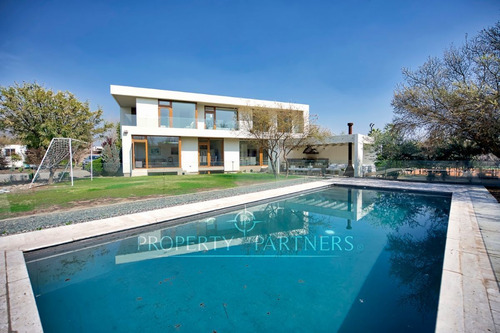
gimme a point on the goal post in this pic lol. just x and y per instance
(59, 154)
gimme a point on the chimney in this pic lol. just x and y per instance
(349, 171)
(349, 125)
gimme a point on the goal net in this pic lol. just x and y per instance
(57, 163)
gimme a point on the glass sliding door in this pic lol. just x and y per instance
(219, 118)
(203, 152)
(251, 154)
(216, 153)
(211, 152)
(139, 154)
(209, 118)
(183, 115)
(226, 119)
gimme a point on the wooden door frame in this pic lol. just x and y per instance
(209, 162)
(145, 141)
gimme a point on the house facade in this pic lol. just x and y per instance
(14, 155)
(167, 131)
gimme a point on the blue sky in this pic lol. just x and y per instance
(343, 58)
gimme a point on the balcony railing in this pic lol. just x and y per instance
(129, 120)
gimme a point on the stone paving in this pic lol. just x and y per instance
(469, 297)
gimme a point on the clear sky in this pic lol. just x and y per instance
(343, 58)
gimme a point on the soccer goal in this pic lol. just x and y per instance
(58, 157)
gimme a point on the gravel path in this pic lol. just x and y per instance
(41, 221)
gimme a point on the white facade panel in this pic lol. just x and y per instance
(231, 155)
(127, 149)
(189, 154)
(147, 113)
(358, 155)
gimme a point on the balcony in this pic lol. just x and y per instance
(129, 119)
(177, 122)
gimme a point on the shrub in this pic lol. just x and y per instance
(96, 167)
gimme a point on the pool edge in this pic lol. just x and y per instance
(466, 297)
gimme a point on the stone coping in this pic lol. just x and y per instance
(469, 297)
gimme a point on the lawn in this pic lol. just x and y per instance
(105, 190)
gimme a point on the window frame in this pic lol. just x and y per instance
(144, 139)
(213, 110)
(169, 105)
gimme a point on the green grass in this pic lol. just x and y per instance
(104, 190)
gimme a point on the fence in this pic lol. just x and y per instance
(461, 172)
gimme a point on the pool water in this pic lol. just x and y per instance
(336, 260)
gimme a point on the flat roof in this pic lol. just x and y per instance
(125, 96)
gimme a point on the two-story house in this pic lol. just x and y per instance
(179, 132)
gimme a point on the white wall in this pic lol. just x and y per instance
(335, 153)
(147, 112)
(189, 154)
(357, 159)
(231, 155)
(201, 115)
(126, 150)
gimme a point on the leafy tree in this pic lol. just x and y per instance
(36, 115)
(280, 130)
(456, 96)
(391, 145)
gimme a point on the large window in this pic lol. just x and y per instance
(219, 118)
(176, 114)
(156, 151)
(211, 152)
(252, 154)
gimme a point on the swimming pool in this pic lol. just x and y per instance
(340, 259)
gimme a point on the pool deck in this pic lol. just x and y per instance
(469, 298)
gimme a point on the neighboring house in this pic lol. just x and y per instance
(177, 132)
(14, 150)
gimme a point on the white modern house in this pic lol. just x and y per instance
(167, 131)
(178, 132)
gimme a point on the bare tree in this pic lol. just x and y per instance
(281, 129)
(456, 96)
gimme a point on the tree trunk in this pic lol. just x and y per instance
(52, 171)
(273, 166)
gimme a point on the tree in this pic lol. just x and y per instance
(111, 150)
(390, 145)
(280, 130)
(3, 161)
(456, 96)
(36, 115)
(110, 157)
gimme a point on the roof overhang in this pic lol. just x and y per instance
(126, 96)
